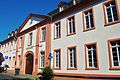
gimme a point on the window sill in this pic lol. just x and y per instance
(29, 47)
(110, 23)
(88, 29)
(29, 44)
(41, 68)
(71, 68)
(20, 47)
(42, 41)
(71, 34)
(114, 68)
(57, 38)
(92, 69)
(57, 68)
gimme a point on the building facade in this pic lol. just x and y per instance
(83, 37)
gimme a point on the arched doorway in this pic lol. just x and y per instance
(29, 64)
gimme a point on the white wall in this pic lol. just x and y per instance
(100, 35)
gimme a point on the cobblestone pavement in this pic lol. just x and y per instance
(6, 77)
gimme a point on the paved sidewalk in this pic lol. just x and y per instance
(12, 76)
(7, 77)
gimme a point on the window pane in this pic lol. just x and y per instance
(113, 43)
(95, 64)
(87, 22)
(115, 52)
(89, 46)
(107, 5)
(111, 11)
(30, 38)
(94, 47)
(90, 60)
(109, 15)
(94, 54)
(115, 58)
(71, 60)
(71, 25)
(115, 13)
(91, 21)
(72, 53)
(116, 64)
(90, 64)
(43, 34)
(119, 51)
(90, 56)
(58, 58)
(74, 57)
(118, 42)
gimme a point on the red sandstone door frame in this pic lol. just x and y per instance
(25, 66)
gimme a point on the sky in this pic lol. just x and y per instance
(14, 12)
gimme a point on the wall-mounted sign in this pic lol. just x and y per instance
(6, 57)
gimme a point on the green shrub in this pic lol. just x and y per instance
(47, 73)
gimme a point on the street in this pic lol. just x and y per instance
(6, 77)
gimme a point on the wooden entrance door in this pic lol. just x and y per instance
(29, 64)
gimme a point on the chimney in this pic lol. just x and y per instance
(62, 6)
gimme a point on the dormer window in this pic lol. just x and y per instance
(62, 6)
(76, 1)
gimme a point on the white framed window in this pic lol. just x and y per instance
(57, 30)
(57, 59)
(91, 55)
(30, 38)
(43, 34)
(42, 59)
(19, 59)
(20, 41)
(88, 19)
(72, 57)
(71, 25)
(61, 8)
(115, 53)
(111, 13)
